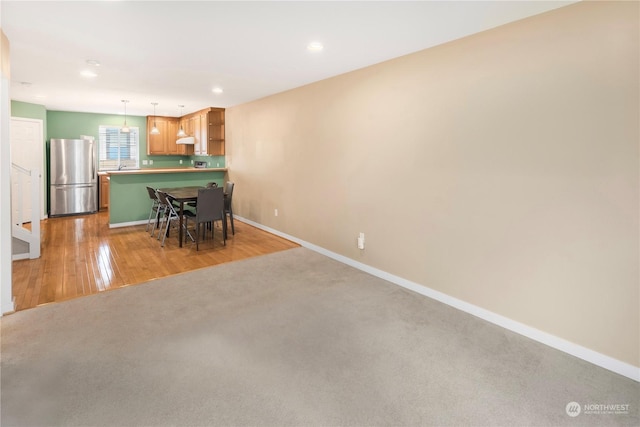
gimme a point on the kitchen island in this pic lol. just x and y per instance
(129, 202)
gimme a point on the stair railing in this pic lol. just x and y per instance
(24, 182)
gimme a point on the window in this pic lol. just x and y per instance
(117, 149)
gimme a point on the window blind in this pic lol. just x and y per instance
(118, 149)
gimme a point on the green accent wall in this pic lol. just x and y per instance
(68, 124)
(212, 161)
(31, 111)
(128, 197)
(27, 110)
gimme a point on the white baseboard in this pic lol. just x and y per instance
(8, 308)
(557, 343)
(128, 224)
(18, 257)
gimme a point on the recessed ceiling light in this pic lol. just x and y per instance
(217, 90)
(315, 46)
(88, 73)
(93, 62)
(25, 84)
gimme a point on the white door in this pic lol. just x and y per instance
(27, 151)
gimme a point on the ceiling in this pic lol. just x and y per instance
(175, 52)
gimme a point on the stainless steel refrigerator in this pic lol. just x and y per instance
(73, 177)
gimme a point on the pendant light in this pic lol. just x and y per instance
(181, 131)
(154, 129)
(125, 128)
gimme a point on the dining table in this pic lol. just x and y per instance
(183, 195)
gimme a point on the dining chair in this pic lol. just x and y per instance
(155, 207)
(171, 215)
(228, 192)
(209, 185)
(210, 208)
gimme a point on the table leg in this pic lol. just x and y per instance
(180, 225)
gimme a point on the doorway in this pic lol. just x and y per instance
(27, 151)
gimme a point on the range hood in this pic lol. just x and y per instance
(186, 140)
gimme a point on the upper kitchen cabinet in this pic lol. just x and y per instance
(205, 126)
(164, 143)
(156, 144)
(215, 132)
(187, 125)
(195, 129)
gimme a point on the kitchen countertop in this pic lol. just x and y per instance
(160, 170)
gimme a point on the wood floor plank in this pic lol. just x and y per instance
(81, 255)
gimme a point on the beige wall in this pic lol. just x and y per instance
(500, 169)
(4, 55)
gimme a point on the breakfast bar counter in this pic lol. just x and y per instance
(129, 201)
(162, 170)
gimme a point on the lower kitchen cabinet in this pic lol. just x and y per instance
(104, 192)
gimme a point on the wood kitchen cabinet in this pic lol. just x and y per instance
(104, 192)
(156, 144)
(172, 136)
(196, 132)
(186, 125)
(172, 131)
(164, 143)
(215, 132)
(200, 133)
(205, 126)
(208, 130)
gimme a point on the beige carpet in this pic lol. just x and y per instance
(287, 339)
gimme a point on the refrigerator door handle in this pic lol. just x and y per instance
(66, 186)
(94, 176)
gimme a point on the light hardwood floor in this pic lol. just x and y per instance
(81, 255)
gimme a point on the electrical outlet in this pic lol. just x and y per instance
(217, 165)
(145, 162)
(180, 161)
(150, 162)
(275, 212)
(191, 161)
(208, 164)
(361, 241)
